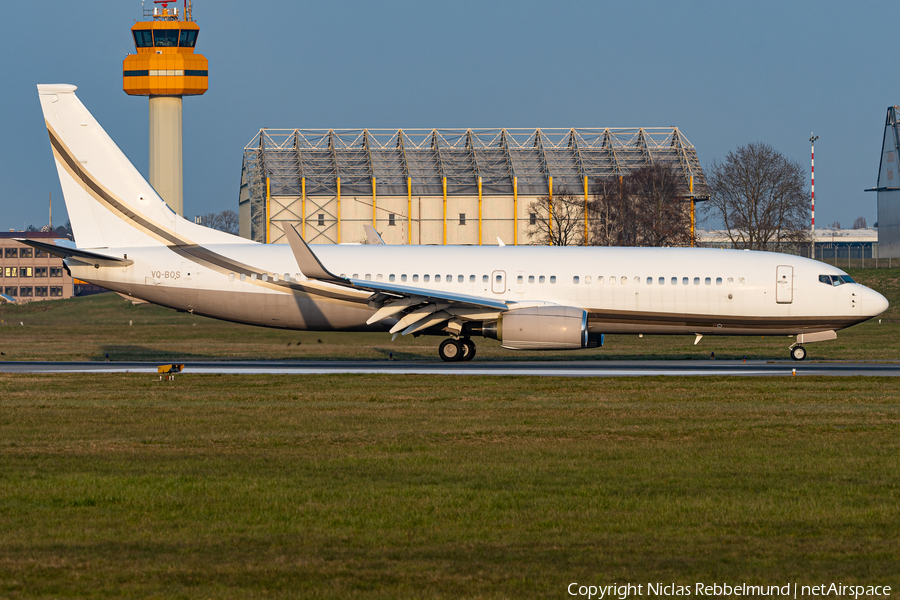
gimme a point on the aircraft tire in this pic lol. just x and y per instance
(451, 350)
(468, 349)
(798, 353)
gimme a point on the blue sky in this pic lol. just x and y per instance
(725, 73)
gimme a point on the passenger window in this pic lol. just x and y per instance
(696, 281)
(471, 279)
(553, 279)
(708, 281)
(541, 279)
(731, 281)
(718, 281)
(637, 280)
(685, 281)
(662, 281)
(460, 279)
(379, 277)
(624, 280)
(391, 277)
(368, 277)
(243, 277)
(575, 280)
(437, 278)
(499, 278)
(649, 281)
(415, 278)
(674, 281)
(253, 277)
(485, 279)
(449, 279)
(741, 281)
(265, 276)
(403, 277)
(600, 280)
(231, 277)
(520, 279)
(426, 278)
(355, 276)
(531, 279)
(274, 276)
(587, 280)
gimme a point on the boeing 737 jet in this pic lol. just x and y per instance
(527, 297)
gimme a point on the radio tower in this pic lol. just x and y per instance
(812, 188)
(165, 68)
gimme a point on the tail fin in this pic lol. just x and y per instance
(109, 202)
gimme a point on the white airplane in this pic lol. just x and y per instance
(530, 298)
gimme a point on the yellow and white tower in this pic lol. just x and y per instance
(166, 68)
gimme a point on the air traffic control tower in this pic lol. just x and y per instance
(165, 68)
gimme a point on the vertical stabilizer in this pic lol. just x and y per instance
(109, 202)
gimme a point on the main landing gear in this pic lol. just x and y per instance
(798, 352)
(452, 350)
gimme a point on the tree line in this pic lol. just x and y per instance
(759, 196)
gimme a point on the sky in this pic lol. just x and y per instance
(725, 73)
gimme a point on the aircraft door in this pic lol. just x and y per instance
(784, 284)
(498, 282)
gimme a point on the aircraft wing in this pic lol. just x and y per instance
(88, 256)
(414, 308)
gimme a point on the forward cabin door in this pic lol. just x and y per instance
(784, 284)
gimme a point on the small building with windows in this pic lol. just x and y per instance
(31, 274)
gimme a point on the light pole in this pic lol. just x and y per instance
(812, 188)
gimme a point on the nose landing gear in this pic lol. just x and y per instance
(452, 350)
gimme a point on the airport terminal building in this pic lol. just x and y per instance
(438, 186)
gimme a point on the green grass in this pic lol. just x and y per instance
(441, 487)
(90, 328)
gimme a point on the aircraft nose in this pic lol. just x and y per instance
(873, 303)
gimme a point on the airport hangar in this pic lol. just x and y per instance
(438, 186)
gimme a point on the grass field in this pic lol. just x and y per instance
(121, 485)
(441, 487)
(92, 328)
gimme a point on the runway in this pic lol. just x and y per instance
(524, 368)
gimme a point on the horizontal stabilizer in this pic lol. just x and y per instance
(88, 256)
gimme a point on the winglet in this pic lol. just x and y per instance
(372, 236)
(307, 261)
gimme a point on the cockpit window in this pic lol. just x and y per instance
(143, 38)
(188, 38)
(165, 38)
(835, 280)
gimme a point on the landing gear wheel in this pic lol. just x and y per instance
(798, 353)
(451, 350)
(468, 349)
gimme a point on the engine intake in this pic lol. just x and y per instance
(540, 328)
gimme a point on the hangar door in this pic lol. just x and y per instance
(784, 285)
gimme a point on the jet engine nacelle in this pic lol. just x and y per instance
(541, 328)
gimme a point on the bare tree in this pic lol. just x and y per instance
(565, 227)
(836, 225)
(760, 197)
(227, 221)
(643, 208)
(859, 223)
